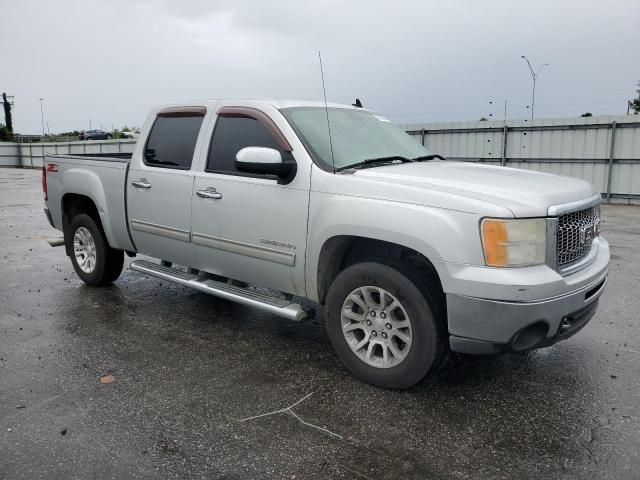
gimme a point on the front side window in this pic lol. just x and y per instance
(356, 136)
(172, 141)
(231, 135)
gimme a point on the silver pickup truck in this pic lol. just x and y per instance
(268, 202)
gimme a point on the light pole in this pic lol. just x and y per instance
(42, 114)
(534, 76)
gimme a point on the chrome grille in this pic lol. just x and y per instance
(576, 232)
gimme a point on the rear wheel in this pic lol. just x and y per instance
(94, 261)
(386, 322)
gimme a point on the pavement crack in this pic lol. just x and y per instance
(590, 442)
(290, 412)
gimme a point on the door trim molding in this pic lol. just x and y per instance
(161, 230)
(247, 249)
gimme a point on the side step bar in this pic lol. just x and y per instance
(55, 241)
(284, 308)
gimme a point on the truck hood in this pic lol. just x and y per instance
(523, 192)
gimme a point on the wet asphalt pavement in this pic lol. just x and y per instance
(187, 367)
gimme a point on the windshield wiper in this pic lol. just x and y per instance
(423, 158)
(374, 162)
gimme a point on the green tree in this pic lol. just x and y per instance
(5, 135)
(635, 103)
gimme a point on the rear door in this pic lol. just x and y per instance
(160, 185)
(245, 226)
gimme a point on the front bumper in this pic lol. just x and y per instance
(480, 325)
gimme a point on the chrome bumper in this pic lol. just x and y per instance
(492, 326)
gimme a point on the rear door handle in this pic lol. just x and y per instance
(142, 183)
(209, 193)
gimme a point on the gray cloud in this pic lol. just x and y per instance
(413, 60)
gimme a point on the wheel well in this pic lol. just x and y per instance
(341, 252)
(72, 205)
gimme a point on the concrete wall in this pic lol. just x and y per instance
(31, 154)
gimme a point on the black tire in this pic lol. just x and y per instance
(109, 137)
(423, 300)
(108, 261)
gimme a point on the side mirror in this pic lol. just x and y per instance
(262, 160)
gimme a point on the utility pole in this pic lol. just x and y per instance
(534, 76)
(42, 114)
(7, 103)
(89, 124)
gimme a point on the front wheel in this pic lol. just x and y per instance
(385, 321)
(94, 261)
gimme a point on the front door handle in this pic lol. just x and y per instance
(142, 183)
(209, 193)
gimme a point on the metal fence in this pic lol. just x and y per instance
(31, 155)
(603, 150)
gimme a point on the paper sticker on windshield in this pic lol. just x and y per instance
(381, 118)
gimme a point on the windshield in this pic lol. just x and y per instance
(356, 135)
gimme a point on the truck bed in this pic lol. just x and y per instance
(99, 177)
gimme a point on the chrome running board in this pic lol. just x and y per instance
(284, 308)
(55, 241)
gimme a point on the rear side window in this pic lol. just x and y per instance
(172, 141)
(231, 135)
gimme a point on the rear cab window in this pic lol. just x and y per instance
(173, 137)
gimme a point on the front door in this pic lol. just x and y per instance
(249, 227)
(160, 185)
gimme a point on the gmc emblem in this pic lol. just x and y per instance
(589, 232)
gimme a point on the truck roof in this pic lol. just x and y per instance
(254, 102)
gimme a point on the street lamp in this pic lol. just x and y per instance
(42, 115)
(534, 76)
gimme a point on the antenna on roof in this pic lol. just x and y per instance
(358, 103)
(326, 111)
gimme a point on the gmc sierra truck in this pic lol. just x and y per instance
(269, 202)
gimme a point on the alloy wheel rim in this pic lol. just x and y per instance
(376, 327)
(84, 250)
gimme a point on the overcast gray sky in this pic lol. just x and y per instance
(414, 61)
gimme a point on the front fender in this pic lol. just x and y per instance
(439, 234)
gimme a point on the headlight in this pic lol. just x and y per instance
(514, 243)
